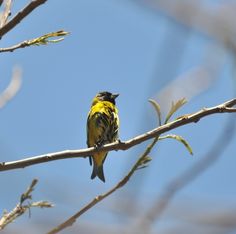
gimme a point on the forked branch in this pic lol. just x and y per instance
(21, 207)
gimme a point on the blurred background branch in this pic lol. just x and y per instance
(217, 24)
(13, 87)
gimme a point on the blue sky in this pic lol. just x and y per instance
(121, 47)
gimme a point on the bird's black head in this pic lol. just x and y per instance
(107, 96)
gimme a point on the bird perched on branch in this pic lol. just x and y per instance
(102, 128)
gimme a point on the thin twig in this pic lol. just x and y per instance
(186, 119)
(42, 40)
(170, 190)
(20, 15)
(20, 208)
(14, 47)
(139, 163)
(12, 88)
(6, 13)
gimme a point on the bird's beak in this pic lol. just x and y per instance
(115, 95)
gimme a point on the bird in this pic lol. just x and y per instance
(102, 128)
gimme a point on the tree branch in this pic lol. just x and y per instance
(188, 176)
(20, 15)
(183, 120)
(42, 40)
(6, 13)
(140, 163)
(21, 208)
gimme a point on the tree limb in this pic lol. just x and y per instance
(20, 15)
(170, 190)
(21, 208)
(6, 13)
(183, 120)
(141, 162)
(42, 40)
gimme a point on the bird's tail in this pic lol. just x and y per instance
(98, 171)
(98, 160)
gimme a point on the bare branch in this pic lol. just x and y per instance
(12, 88)
(20, 15)
(6, 13)
(141, 162)
(183, 120)
(42, 40)
(20, 208)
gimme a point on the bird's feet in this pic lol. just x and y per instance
(119, 142)
(98, 144)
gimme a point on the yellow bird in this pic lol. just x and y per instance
(102, 128)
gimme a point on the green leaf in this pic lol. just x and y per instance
(27, 194)
(45, 39)
(157, 109)
(180, 139)
(174, 108)
(144, 162)
(42, 204)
